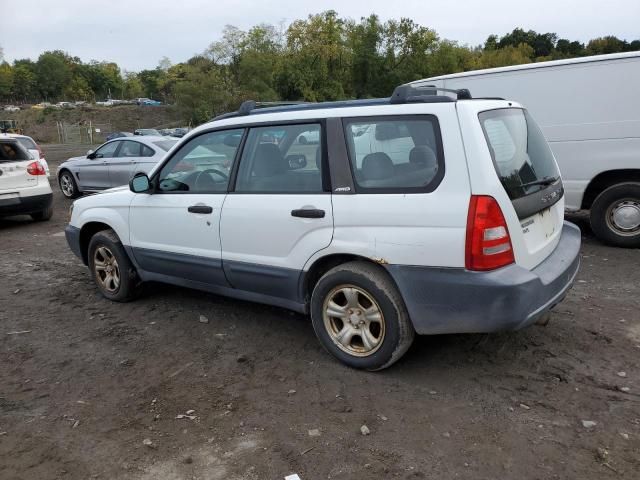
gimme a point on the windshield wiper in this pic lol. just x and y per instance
(544, 181)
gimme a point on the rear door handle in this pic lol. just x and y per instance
(200, 209)
(307, 213)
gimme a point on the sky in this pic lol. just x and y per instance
(137, 33)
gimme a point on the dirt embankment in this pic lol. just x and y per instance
(42, 124)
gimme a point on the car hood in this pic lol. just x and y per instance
(121, 188)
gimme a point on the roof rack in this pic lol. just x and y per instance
(408, 93)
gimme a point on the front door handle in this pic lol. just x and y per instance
(200, 209)
(307, 213)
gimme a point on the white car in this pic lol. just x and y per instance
(33, 148)
(11, 108)
(449, 218)
(24, 187)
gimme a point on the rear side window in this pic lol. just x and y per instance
(13, 152)
(395, 154)
(27, 143)
(282, 159)
(129, 149)
(521, 155)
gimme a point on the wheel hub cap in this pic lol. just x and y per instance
(353, 320)
(106, 269)
(626, 215)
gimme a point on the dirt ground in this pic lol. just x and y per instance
(90, 383)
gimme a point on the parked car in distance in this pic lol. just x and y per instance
(112, 164)
(180, 132)
(309, 137)
(113, 135)
(31, 146)
(11, 108)
(459, 227)
(147, 132)
(24, 187)
(595, 137)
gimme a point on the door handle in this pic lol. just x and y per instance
(307, 213)
(200, 209)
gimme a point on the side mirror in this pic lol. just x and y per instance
(91, 154)
(296, 162)
(140, 183)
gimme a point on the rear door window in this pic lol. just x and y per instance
(395, 154)
(521, 155)
(277, 160)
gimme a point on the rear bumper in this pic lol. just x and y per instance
(25, 205)
(446, 300)
(73, 239)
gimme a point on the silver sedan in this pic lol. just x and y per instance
(112, 164)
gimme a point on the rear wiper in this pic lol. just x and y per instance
(544, 181)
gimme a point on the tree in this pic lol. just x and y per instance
(6, 80)
(53, 74)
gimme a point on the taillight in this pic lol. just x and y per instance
(36, 168)
(488, 243)
(40, 151)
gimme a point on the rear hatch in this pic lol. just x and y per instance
(14, 163)
(529, 174)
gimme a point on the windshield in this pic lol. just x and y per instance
(166, 144)
(521, 155)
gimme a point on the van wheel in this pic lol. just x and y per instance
(615, 215)
(111, 269)
(359, 316)
(43, 215)
(68, 185)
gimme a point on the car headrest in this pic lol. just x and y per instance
(377, 166)
(268, 161)
(423, 156)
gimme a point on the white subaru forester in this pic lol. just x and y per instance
(421, 213)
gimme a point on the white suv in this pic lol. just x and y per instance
(418, 213)
(24, 187)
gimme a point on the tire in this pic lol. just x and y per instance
(43, 215)
(302, 140)
(615, 215)
(368, 287)
(68, 185)
(105, 248)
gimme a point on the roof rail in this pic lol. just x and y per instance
(408, 93)
(248, 106)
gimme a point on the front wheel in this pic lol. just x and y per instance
(615, 215)
(68, 185)
(111, 269)
(359, 316)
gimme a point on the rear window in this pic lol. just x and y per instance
(521, 155)
(165, 144)
(27, 143)
(395, 154)
(13, 152)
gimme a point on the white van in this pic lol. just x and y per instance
(589, 111)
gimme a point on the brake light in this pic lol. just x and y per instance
(36, 168)
(488, 243)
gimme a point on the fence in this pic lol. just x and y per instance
(85, 133)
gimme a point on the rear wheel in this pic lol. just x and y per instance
(43, 215)
(615, 215)
(68, 185)
(360, 317)
(111, 269)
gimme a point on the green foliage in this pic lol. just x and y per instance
(321, 57)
